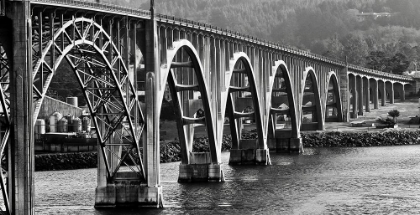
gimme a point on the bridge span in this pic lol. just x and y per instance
(118, 53)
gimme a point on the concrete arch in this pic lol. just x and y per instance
(281, 65)
(228, 100)
(332, 78)
(317, 111)
(167, 76)
(399, 91)
(382, 91)
(389, 89)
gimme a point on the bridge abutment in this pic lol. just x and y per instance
(248, 153)
(200, 169)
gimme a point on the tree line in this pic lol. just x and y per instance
(334, 28)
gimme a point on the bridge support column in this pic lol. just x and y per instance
(21, 95)
(366, 91)
(128, 188)
(345, 97)
(353, 83)
(382, 89)
(360, 93)
(375, 94)
(392, 94)
(402, 93)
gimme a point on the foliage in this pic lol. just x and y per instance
(65, 161)
(387, 121)
(335, 28)
(394, 113)
(341, 139)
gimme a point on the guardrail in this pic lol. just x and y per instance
(217, 30)
(2, 7)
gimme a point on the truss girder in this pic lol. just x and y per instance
(5, 123)
(99, 61)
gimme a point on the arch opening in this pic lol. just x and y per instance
(311, 118)
(192, 112)
(333, 109)
(242, 109)
(282, 122)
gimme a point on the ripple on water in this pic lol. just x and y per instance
(376, 180)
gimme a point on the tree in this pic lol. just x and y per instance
(398, 64)
(334, 48)
(376, 60)
(394, 114)
(355, 48)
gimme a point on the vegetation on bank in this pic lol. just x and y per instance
(358, 139)
(170, 152)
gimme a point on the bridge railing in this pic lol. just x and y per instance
(218, 30)
(2, 7)
(96, 5)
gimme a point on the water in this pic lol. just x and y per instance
(376, 180)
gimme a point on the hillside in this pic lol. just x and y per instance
(362, 30)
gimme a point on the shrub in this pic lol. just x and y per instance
(394, 114)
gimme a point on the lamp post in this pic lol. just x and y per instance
(152, 9)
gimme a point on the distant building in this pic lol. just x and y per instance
(362, 16)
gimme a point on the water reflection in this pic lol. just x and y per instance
(321, 181)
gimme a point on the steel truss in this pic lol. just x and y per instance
(98, 50)
(5, 123)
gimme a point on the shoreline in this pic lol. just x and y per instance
(170, 150)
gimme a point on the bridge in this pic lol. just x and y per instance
(118, 53)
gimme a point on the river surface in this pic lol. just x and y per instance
(374, 180)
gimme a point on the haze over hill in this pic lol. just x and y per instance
(378, 34)
(387, 41)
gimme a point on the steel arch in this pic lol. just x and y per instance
(103, 76)
(167, 75)
(5, 122)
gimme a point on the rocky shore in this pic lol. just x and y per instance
(170, 151)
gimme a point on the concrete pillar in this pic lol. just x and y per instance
(345, 89)
(354, 97)
(21, 96)
(152, 194)
(375, 94)
(382, 88)
(392, 94)
(366, 91)
(359, 81)
(402, 94)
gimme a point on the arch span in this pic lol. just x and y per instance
(104, 78)
(240, 95)
(310, 102)
(333, 105)
(168, 75)
(281, 100)
(240, 65)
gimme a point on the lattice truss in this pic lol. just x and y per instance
(4, 122)
(98, 53)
